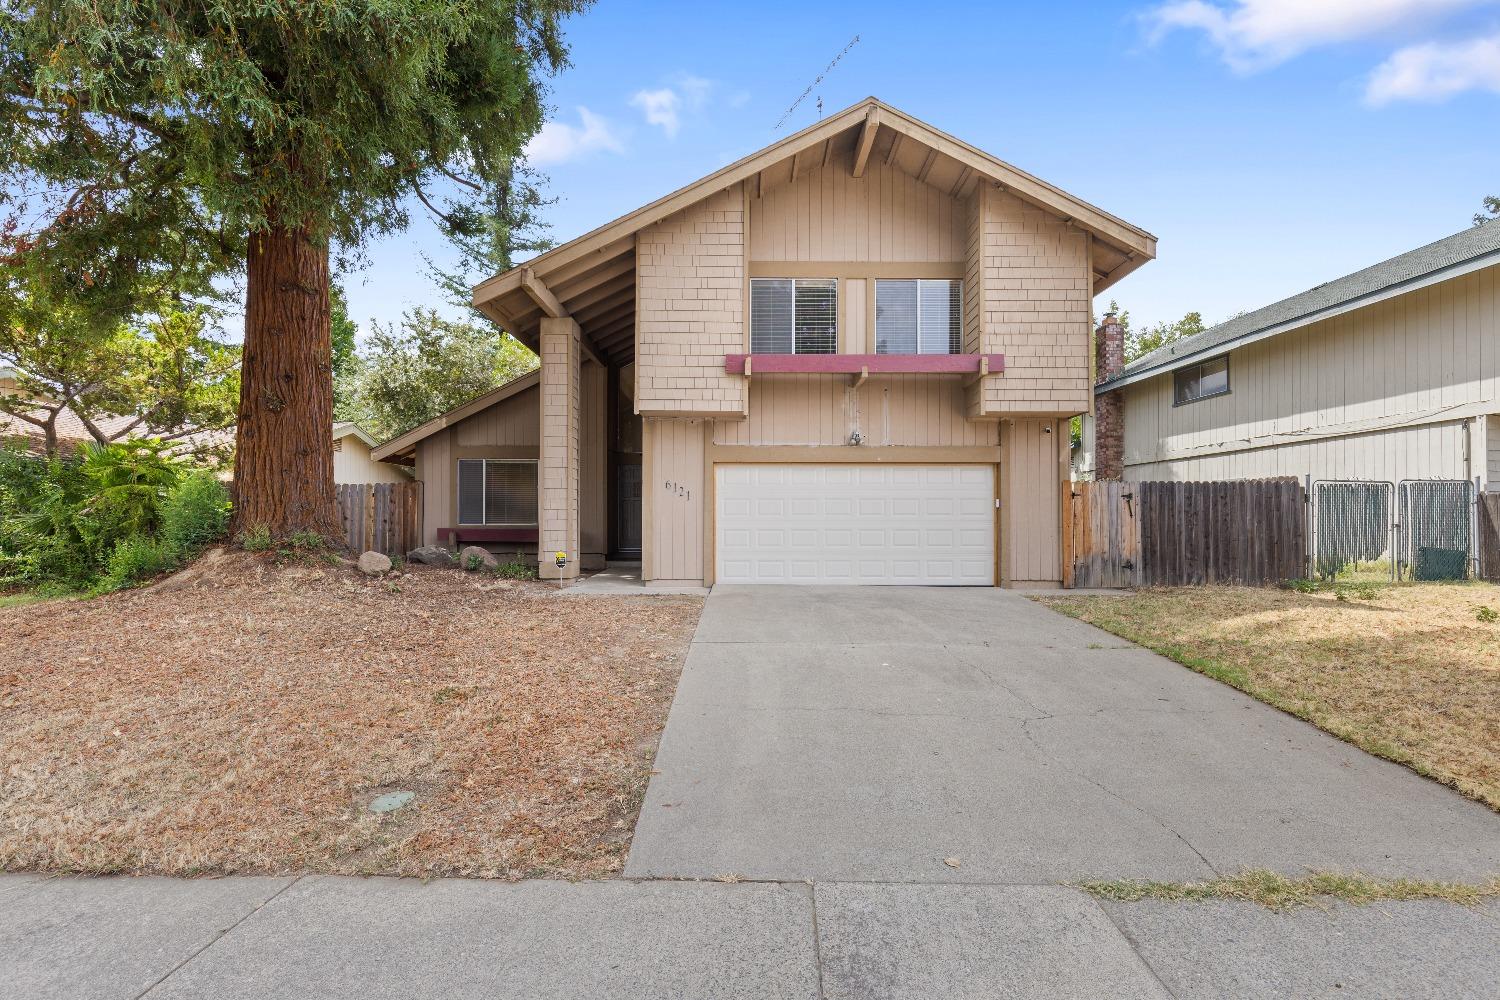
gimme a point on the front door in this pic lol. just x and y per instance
(628, 512)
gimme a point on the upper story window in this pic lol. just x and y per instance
(497, 492)
(794, 316)
(1200, 381)
(918, 316)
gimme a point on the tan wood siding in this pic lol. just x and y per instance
(352, 464)
(513, 421)
(690, 309)
(1030, 497)
(1377, 393)
(675, 492)
(436, 470)
(1034, 309)
(887, 410)
(885, 215)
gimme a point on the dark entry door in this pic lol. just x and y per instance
(628, 502)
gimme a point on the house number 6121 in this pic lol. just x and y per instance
(679, 489)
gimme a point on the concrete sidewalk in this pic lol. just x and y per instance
(125, 939)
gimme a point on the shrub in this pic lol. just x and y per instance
(40, 539)
(256, 538)
(137, 558)
(195, 512)
(128, 483)
(516, 570)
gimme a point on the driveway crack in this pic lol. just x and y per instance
(1042, 716)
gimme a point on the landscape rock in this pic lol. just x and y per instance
(433, 555)
(374, 563)
(472, 552)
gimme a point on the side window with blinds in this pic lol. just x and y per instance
(794, 316)
(497, 492)
(918, 316)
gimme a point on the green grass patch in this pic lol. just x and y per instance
(1280, 892)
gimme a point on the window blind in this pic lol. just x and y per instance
(794, 316)
(510, 493)
(497, 492)
(918, 316)
(470, 491)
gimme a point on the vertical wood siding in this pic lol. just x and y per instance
(1360, 373)
(675, 488)
(1492, 437)
(593, 465)
(1030, 485)
(886, 410)
(511, 422)
(827, 215)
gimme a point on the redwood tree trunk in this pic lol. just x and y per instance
(283, 466)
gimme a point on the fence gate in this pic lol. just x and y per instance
(1352, 527)
(1101, 535)
(1434, 537)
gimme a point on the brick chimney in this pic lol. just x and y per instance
(1109, 409)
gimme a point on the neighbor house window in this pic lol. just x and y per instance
(918, 316)
(499, 492)
(794, 316)
(1200, 381)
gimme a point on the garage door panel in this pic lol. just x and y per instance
(855, 524)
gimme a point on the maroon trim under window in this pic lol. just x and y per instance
(853, 364)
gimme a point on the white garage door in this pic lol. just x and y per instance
(868, 524)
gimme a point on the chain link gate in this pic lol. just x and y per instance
(1352, 528)
(1435, 537)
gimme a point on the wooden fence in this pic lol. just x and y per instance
(1489, 536)
(384, 517)
(1176, 534)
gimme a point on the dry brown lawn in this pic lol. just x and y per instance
(1410, 673)
(241, 717)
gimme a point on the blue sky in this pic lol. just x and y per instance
(1269, 144)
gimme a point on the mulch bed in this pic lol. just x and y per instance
(241, 716)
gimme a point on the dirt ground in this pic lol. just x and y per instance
(242, 717)
(1410, 672)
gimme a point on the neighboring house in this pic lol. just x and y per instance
(352, 462)
(850, 357)
(1389, 373)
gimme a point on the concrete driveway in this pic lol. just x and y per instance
(972, 736)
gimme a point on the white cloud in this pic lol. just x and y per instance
(660, 107)
(1436, 70)
(1254, 34)
(664, 106)
(559, 142)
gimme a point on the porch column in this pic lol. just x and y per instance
(558, 472)
(593, 502)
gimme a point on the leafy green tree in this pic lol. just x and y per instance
(1491, 211)
(342, 333)
(1139, 343)
(183, 140)
(170, 379)
(412, 371)
(504, 224)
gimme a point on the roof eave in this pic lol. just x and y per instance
(1413, 284)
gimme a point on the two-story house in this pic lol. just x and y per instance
(850, 357)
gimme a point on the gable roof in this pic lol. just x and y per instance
(347, 428)
(593, 277)
(401, 444)
(1474, 248)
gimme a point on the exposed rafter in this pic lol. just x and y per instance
(541, 294)
(866, 141)
(927, 166)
